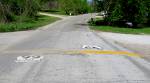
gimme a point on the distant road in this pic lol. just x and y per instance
(68, 52)
(48, 14)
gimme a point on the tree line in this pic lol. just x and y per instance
(18, 10)
(69, 6)
(136, 12)
(75, 6)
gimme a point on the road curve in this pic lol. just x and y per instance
(68, 54)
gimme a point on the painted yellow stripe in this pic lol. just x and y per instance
(104, 52)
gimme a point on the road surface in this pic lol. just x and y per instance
(65, 53)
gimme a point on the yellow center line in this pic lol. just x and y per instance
(97, 52)
(104, 52)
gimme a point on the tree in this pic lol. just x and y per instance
(66, 5)
(98, 5)
(31, 8)
(147, 2)
(129, 10)
(74, 6)
(49, 4)
(5, 14)
(9, 9)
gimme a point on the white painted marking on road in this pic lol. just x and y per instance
(85, 46)
(20, 59)
(30, 58)
(97, 47)
(92, 47)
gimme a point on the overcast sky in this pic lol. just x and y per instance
(89, 0)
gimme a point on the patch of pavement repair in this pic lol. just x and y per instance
(30, 58)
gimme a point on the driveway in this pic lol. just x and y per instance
(69, 52)
(54, 15)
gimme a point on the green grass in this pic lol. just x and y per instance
(27, 25)
(145, 30)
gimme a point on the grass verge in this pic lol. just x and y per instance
(145, 30)
(27, 25)
(125, 30)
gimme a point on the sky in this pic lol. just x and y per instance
(89, 0)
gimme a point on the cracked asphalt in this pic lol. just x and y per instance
(70, 34)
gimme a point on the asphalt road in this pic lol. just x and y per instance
(64, 57)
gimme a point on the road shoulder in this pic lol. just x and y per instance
(137, 43)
